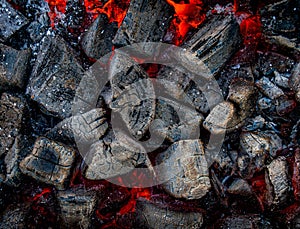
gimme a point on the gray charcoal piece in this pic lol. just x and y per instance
(55, 77)
(215, 42)
(240, 187)
(15, 216)
(83, 129)
(50, 162)
(77, 207)
(117, 154)
(97, 41)
(145, 21)
(10, 20)
(13, 67)
(222, 118)
(294, 81)
(277, 180)
(176, 121)
(185, 164)
(12, 117)
(269, 89)
(151, 216)
(134, 96)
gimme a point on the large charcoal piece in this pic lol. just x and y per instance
(278, 184)
(185, 165)
(146, 20)
(10, 20)
(97, 41)
(49, 162)
(116, 154)
(176, 121)
(294, 81)
(133, 95)
(55, 76)
(77, 207)
(13, 67)
(151, 216)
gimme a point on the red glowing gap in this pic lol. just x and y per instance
(57, 8)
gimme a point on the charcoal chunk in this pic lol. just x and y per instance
(15, 216)
(151, 216)
(146, 20)
(295, 81)
(97, 41)
(240, 187)
(13, 67)
(55, 77)
(116, 154)
(10, 20)
(185, 164)
(49, 162)
(77, 207)
(269, 89)
(177, 121)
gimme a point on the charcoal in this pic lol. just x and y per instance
(114, 155)
(296, 174)
(145, 21)
(10, 20)
(49, 162)
(281, 80)
(295, 81)
(12, 115)
(284, 106)
(215, 42)
(55, 77)
(14, 216)
(240, 187)
(151, 216)
(179, 122)
(277, 179)
(185, 164)
(223, 117)
(77, 207)
(134, 96)
(97, 41)
(84, 129)
(38, 28)
(268, 88)
(13, 67)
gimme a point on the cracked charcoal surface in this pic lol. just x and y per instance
(13, 67)
(151, 216)
(55, 77)
(185, 162)
(50, 162)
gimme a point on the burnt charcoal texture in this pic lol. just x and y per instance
(294, 81)
(151, 216)
(155, 17)
(14, 216)
(49, 162)
(76, 207)
(240, 187)
(10, 20)
(54, 78)
(97, 41)
(176, 121)
(14, 67)
(133, 95)
(185, 163)
(116, 154)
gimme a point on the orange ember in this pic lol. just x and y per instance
(251, 29)
(187, 16)
(57, 7)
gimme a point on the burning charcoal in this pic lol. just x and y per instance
(184, 162)
(295, 81)
(177, 122)
(134, 95)
(215, 42)
(12, 114)
(84, 129)
(54, 78)
(151, 216)
(222, 118)
(49, 162)
(97, 41)
(15, 216)
(240, 187)
(277, 179)
(114, 155)
(269, 89)
(77, 207)
(285, 106)
(10, 20)
(13, 67)
(145, 21)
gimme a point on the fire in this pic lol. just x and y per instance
(57, 8)
(187, 16)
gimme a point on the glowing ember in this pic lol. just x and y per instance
(57, 8)
(187, 16)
